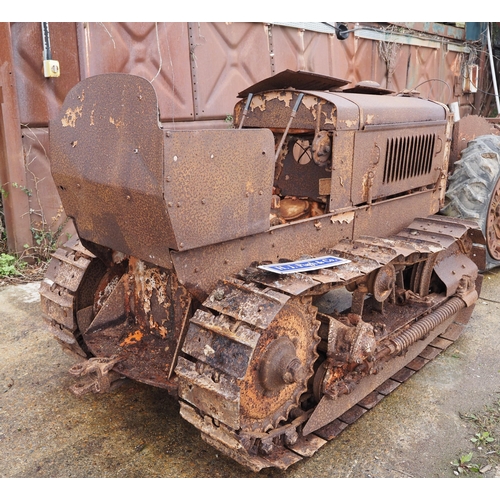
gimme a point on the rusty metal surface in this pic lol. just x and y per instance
(493, 223)
(107, 162)
(172, 216)
(158, 52)
(466, 130)
(273, 110)
(389, 162)
(269, 385)
(230, 257)
(261, 307)
(223, 62)
(197, 69)
(217, 184)
(302, 80)
(395, 215)
(351, 338)
(40, 98)
(141, 323)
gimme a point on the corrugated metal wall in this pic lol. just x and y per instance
(197, 70)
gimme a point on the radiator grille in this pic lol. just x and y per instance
(408, 157)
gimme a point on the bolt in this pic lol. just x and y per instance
(266, 446)
(291, 437)
(292, 372)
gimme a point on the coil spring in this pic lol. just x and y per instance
(421, 328)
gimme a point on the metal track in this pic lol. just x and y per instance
(224, 441)
(213, 387)
(59, 292)
(249, 315)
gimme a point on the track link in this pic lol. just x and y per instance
(221, 343)
(59, 293)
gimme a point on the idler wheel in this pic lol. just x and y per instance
(382, 283)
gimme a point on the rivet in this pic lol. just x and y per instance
(136, 150)
(212, 156)
(78, 185)
(170, 204)
(128, 197)
(168, 178)
(181, 245)
(175, 158)
(178, 203)
(261, 192)
(203, 202)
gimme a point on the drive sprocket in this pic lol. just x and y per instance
(280, 368)
(246, 370)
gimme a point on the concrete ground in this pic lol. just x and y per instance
(136, 431)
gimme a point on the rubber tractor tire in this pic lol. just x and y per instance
(474, 191)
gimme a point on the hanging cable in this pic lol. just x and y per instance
(493, 71)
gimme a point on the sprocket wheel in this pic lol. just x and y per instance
(280, 368)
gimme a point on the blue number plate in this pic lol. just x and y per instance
(301, 266)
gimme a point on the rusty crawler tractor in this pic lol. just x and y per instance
(279, 277)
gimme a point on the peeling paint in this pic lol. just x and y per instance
(332, 119)
(258, 103)
(70, 117)
(116, 123)
(310, 102)
(285, 97)
(208, 351)
(133, 338)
